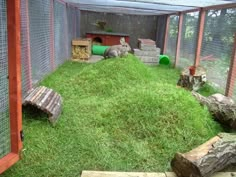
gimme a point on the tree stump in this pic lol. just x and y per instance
(221, 107)
(192, 82)
(208, 158)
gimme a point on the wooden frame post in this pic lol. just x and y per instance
(180, 26)
(232, 72)
(201, 24)
(166, 34)
(14, 69)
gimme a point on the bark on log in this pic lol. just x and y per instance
(208, 158)
(221, 107)
(192, 82)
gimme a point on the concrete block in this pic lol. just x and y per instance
(146, 59)
(147, 47)
(147, 41)
(120, 174)
(151, 53)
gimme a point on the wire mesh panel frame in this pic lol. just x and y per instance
(14, 75)
(4, 92)
(61, 51)
(172, 37)
(217, 45)
(40, 38)
(188, 39)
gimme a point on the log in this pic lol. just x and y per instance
(221, 107)
(192, 82)
(208, 158)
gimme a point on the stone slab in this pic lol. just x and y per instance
(150, 53)
(147, 41)
(146, 59)
(120, 174)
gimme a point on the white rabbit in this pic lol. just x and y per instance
(118, 50)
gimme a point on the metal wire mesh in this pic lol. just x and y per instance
(61, 33)
(25, 50)
(4, 106)
(71, 18)
(39, 25)
(172, 37)
(188, 39)
(217, 45)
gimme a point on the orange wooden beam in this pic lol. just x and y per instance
(232, 72)
(7, 161)
(166, 34)
(180, 26)
(202, 16)
(14, 69)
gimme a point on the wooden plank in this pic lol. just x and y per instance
(120, 174)
(37, 95)
(14, 71)
(31, 93)
(200, 37)
(7, 161)
(45, 97)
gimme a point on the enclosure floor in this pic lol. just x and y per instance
(142, 174)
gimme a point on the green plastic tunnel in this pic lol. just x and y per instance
(164, 60)
(98, 49)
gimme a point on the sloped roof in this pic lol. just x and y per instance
(146, 7)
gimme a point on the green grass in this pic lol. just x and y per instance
(118, 114)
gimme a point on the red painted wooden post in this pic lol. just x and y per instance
(232, 72)
(166, 34)
(181, 17)
(14, 69)
(202, 16)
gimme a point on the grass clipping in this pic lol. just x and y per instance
(118, 115)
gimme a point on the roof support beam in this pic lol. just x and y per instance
(201, 24)
(180, 26)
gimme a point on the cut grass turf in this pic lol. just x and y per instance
(118, 114)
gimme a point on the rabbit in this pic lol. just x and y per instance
(117, 50)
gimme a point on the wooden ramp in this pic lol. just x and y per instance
(141, 174)
(46, 100)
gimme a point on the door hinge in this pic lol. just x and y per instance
(22, 135)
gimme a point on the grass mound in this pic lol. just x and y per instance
(118, 114)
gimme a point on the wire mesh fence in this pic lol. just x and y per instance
(4, 106)
(47, 29)
(188, 39)
(61, 33)
(172, 37)
(217, 45)
(39, 27)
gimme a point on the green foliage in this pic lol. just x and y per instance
(118, 114)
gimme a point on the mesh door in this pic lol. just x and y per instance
(217, 46)
(61, 33)
(172, 37)
(4, 105)
(188, 39)
(39, 25)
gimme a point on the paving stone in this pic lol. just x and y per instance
(120, 174)
(150, 53)
(147, 41)
(170, 174)
(146, 59)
